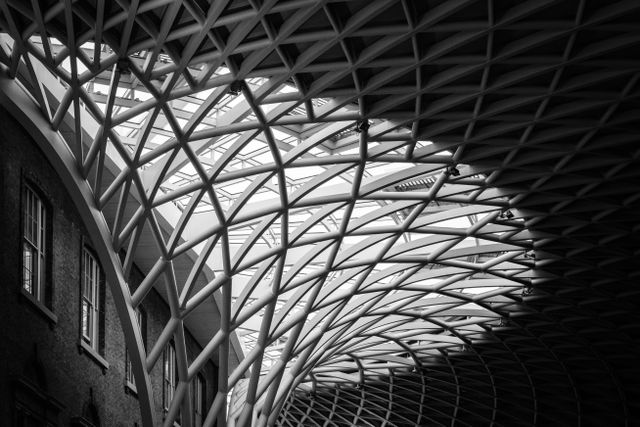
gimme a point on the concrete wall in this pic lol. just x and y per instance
(69, 373)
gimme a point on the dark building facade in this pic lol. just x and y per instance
(63, 355)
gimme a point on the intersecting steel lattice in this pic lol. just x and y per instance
(323, 191)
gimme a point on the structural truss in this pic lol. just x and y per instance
(366, 212)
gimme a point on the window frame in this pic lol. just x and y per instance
(94, 344)
(36, 240)
(199, 395)
(90, 296)
(169, 374)
(130, 381)
(41, 296)
(169, 378)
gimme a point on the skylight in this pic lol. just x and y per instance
(336, 241)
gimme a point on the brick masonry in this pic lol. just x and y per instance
(70, 374)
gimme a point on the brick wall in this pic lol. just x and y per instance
(25, 330)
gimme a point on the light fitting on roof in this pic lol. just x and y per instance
(452, 170)
(506, 214)
(235, 88)
(362, 125)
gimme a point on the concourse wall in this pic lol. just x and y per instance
(42, 364)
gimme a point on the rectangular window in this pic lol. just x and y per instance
(91, 294)
(199, 400)
(141, 318)
(34, 244)
(169, 375)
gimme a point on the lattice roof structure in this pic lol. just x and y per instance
(387, 212)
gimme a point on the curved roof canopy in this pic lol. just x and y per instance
(338, 198)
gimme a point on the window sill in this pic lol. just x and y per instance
(41, 309)
(83, 347)
(130, 388)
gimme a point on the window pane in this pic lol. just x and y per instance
(86, 321)
(28, 264)
(198, 400)
(129, 373)
(169, 374)
(87, 287)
